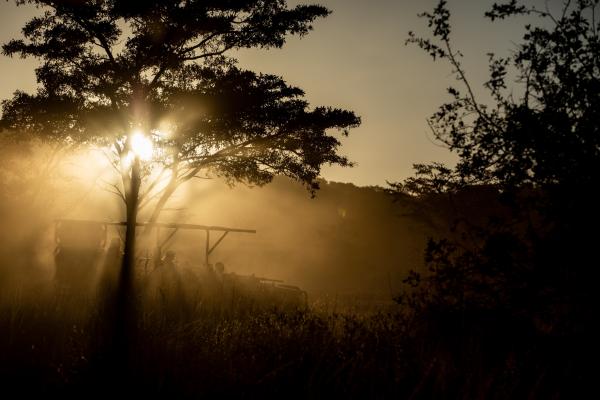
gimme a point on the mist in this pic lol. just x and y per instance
(345, 241)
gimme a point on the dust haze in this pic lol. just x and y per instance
(347, 241)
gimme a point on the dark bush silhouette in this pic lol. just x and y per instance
(525, 258)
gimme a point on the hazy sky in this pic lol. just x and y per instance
(356, 59)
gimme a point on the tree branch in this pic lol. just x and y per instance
(211, 54)
(204, 41)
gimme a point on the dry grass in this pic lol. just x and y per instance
(58, 344)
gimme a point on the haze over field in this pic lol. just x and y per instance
(345, 240)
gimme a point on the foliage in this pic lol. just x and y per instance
(165, 68)
(527, 252)
(545, 135)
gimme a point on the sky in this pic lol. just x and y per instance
(356, 59)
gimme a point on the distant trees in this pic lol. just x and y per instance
(537, 145)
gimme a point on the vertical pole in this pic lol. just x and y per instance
(207, 247)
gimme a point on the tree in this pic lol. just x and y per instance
(547, 134)
(156, 84)
(537, 145)
(516, 276)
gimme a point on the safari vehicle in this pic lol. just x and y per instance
(82, 258)
(264, 291)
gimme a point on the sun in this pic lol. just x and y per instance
(141, 146)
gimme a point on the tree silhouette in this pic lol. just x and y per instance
(156, 83)
(536, 145)
(542, 132)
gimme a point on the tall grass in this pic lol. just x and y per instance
(52, 344)
(56, 343)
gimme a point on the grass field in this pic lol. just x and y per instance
(59, 344)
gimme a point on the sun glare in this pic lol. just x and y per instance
(141, 146)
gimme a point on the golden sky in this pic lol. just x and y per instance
(355, 59)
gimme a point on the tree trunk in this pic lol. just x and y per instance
(125, 312)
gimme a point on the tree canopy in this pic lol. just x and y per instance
(166, 68)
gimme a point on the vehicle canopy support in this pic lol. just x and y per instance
(175, 227)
